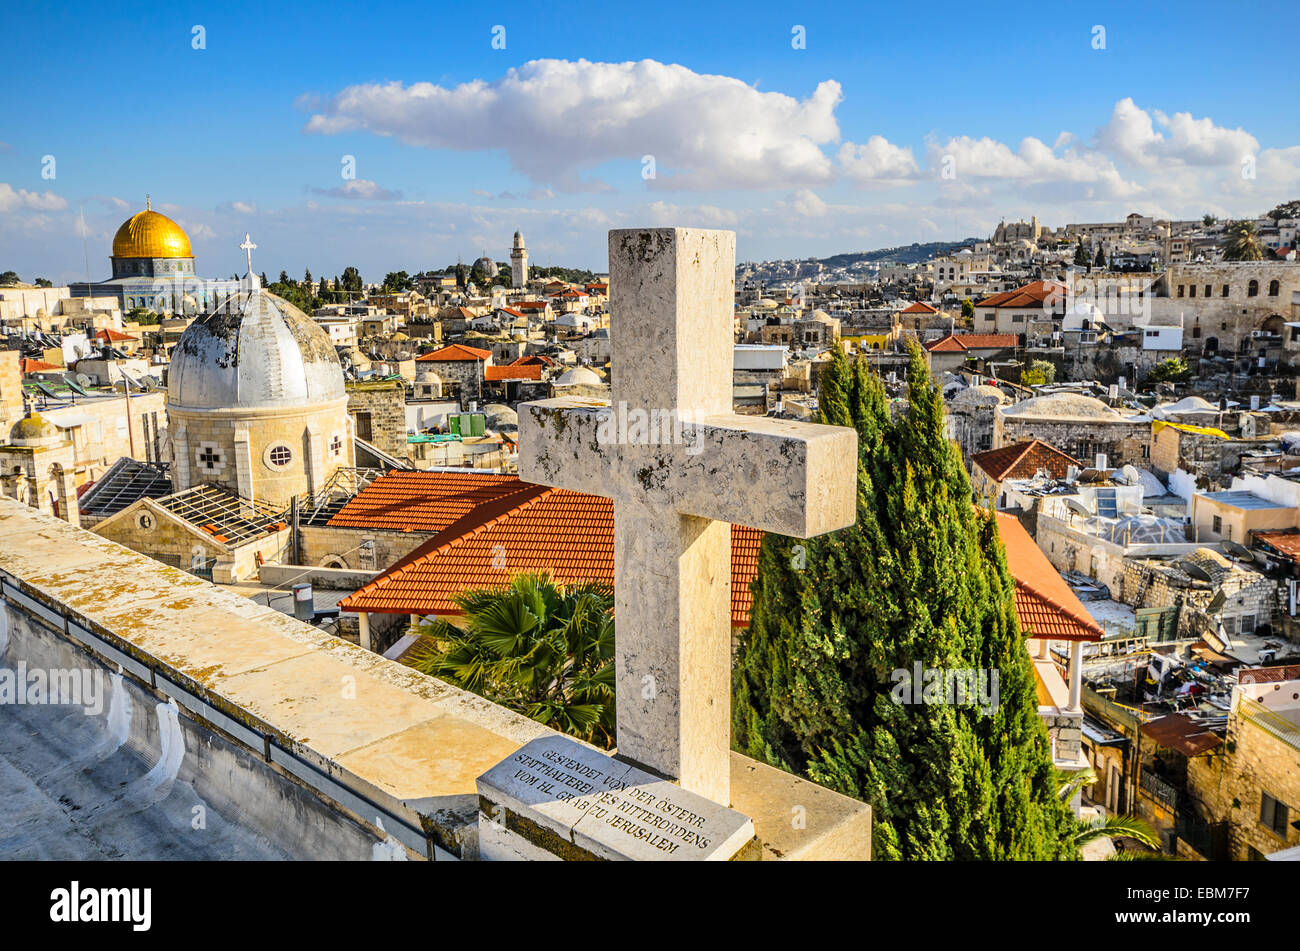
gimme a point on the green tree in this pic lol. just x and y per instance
(1081, 254)
(542, 649)
(8, 278)
(1100, 259)
(1243, 243)
(1173, 370)
(1038, 373)
(307, 282)
(352, 280)
(44, 282)
(920, 578)
(1209, 220)
(396, 282)
(1287, 209)
(967, 309)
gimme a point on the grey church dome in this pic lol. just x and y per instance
(254, 350)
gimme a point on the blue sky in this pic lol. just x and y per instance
(840, 146)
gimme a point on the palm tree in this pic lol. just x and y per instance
(540, 648)
(1243, 243)
(1069, 782)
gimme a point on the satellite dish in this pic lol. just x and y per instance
(1131, 475)
(1077, 507)
(1238, 550)
(83, 381)
(1195, 571)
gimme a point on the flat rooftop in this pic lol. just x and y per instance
(1239, 499)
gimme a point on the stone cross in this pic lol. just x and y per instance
(680, 466)
(248, 248)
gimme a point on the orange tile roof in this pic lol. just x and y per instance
(920, 307)
(113, 335)
(36, 366)
(457, 351)
(532, 304)
(569, 534)
(414, 501)
(1031, 295)
(514, 371)
(954, 343)
(1044, 602)
(540, 359)
(1023, 460)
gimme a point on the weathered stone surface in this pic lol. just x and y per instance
(679, 465)
(559, 797)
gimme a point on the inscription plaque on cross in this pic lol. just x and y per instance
(680, 467)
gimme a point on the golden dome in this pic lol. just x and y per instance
(151, 235)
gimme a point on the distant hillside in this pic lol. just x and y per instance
(845, 266)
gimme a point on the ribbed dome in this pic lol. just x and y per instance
(264, 352)
(151, 235)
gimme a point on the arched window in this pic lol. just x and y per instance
(1252, 289)
(1274, 288)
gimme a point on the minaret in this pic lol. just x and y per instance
(518, 263)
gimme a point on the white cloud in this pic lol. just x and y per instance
(878, 161)
(557, 120)
(807, 203)
(19, 199)
(359, 189)
(1132, 135)
(1033, 162)
(663, 215)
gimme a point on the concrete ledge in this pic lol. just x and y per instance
(797, 820)
(340, 719)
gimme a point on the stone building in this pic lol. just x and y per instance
(459, 371)
(1230, 307)
(1253, 783)
(256, 401)
(970, 417)
(1021, 461)
(378, 411)
(518, 263)
(1082, 426)
(36, 468)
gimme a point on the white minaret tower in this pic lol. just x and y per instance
(518, 263)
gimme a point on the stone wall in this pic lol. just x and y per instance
(1123, 442)
(385, 403)
(1231, 782)
(325, 546)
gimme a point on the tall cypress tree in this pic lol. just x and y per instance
(921, 577)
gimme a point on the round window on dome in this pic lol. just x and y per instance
(278, 456)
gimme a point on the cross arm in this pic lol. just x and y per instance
(782, 476)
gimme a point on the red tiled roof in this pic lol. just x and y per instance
(920, 307)
(954, 343)
(36, 366)
(1044, 602)
(515, 371)
(1023, 460)
(113, 335)
(1031, 295)
(457, 351)
(540, 359)
(568, 534)
(511, 311)
(415, 501)
(531, 304)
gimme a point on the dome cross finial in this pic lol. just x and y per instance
(147, 206)
(248, 247)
